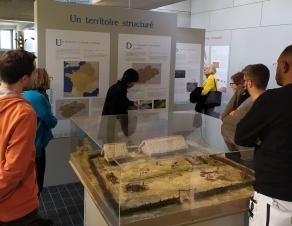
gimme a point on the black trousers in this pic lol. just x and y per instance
(202, 108)
(31, 219)
(40, 163)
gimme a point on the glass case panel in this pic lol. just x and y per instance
(167, 168)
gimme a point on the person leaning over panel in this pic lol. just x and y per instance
(116, 101)
(210, 84)
(239, 94)
(18, 188)
(256, 78)
(268, 126)
(37, 96)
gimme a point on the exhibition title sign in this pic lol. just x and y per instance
(111, 22)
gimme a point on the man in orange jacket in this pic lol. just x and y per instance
(18, 188)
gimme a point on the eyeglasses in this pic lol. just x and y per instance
(275, 64)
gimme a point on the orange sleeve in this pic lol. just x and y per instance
(20, 153)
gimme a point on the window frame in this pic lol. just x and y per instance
(11, 40)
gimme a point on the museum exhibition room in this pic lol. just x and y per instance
(183, 151)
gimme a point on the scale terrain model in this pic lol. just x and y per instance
(134, 181)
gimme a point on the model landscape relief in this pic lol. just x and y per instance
(133, 181)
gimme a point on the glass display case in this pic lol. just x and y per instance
(159, 168)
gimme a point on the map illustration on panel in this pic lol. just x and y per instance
(81, 79)
(66, 109)
(149, 73)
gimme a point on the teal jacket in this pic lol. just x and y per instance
(46, 120)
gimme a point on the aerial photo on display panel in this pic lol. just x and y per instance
(145, 104)
(180, 73)
(159, 104)
(81, 79)
(149, 73)
(75, 107)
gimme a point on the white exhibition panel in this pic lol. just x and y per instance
(79, 46)
(188, 66)
(150, 56)
(78, 61)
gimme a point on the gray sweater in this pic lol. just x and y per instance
(230, 123)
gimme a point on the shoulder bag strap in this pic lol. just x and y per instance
(215, 83)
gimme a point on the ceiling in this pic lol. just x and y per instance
(136, 4)
(22, 10)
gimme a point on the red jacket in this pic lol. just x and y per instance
(18, 188)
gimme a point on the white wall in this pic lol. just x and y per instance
(183, 11)
(256, 30)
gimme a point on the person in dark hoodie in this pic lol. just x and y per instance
(18, 188)
(267, 127)
(37, 96)
(116, 101)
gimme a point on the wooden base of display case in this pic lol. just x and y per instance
(93, 217)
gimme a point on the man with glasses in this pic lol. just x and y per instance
(256, 78)
(267, 127)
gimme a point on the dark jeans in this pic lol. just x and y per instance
(40, 163)
(204, 110)
(31, 219)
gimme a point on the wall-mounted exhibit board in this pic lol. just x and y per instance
(190, 44)
(150, 56)
(86, 48)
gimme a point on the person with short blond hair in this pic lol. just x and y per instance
(209, 85)
(37, 96)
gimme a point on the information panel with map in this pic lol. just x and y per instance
(78, 62)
